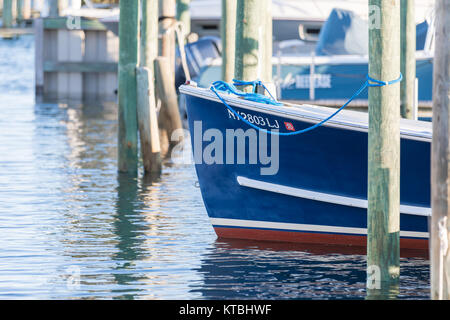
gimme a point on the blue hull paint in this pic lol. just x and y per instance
(328, 160)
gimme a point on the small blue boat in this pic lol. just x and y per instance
(307, 188)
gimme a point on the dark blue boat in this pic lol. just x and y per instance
(315, 189)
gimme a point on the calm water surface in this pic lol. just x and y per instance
(71, 227)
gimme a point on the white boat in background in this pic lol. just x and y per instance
(337, 65)
(292, 19)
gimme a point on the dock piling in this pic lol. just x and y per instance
(167, 44)
(7, 17)
(268, 46)
(128, 47)
(148, 121)
(228, 34)
(53, 8)
(383, 222)
(19, 15)
(407, 57)
(23, 10)
(440, 158)
(146, 101)
(169, 115)
(184, 16)
(251, 28)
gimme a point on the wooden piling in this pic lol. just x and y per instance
(407, 57)
(128, 47)
(39, 56)
(383, 223)
(7, 17)
(149, 35)
(19, 7)
(146, 103)
(23, 10)
(250, 39)
(440, 159)
(184, 16)
(148, 121)
(26, 9)
(167, 44)
(169, 116)
(228, 34)
(268, 45)
(53, 6)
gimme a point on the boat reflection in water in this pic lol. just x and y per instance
(245, 269)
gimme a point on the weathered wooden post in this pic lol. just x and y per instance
(128, 58)
(57, 7)
(23, 10)
(7, 14)
(251, 40)
(167, 45)
(146, 103)
(440, 159)
(26, 9)
(268, 45)
(169, 116)
(383, 223)
(53, 6)
(19, 13)
(228, 34)
(407, 57)
(184, 16)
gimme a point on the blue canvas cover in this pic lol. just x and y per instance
(421, 35)
(345, 32)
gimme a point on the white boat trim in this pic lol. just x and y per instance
(221, 222)
(350, 120)
(323, 197)
(305, 60)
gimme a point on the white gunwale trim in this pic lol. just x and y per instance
(218, 222)
(291, 111)
(324, 197)
(305, 60)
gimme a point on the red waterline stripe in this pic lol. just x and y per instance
(313, 238)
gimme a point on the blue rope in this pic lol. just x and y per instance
(256, 97)
(378, 83)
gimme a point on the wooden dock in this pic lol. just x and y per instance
(76, 58)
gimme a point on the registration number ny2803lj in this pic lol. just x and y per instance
(255, 119)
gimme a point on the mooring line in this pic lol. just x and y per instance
(256, 97)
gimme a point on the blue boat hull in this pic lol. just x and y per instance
(319, 192)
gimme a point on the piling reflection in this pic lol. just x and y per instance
(390, 291)
(129, 225)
